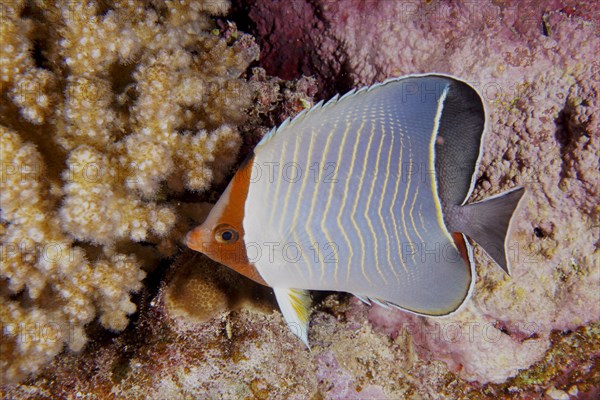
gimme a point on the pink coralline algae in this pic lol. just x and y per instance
(535, 64)
(340, 383)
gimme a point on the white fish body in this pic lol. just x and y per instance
(366, 194)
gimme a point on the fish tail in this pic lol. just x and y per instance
(489, 222)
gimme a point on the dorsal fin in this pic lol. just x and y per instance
(321, 105)
(292, 120)
(458, 143)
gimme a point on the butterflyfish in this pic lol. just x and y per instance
(366, 194)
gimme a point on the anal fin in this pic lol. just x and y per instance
(368, 300)
(380, 303)
(364, 299)
(295, 307)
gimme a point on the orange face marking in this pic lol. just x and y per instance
(227, 218)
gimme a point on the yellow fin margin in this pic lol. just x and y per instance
(295, 307)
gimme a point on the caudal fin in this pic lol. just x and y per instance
(489, 221)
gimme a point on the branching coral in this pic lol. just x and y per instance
(63, 289)
(109, 112)
(28, 86)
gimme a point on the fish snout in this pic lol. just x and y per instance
(196, 239)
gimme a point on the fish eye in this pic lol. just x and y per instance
(226, 234)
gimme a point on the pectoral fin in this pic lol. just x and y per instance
(295, 307)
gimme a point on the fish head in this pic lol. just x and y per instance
(221, 235)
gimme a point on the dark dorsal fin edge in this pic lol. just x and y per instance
(459, 143)
(322, 105)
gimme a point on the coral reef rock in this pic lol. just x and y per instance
(250, 353)
(201, 289)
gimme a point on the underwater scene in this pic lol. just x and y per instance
(302, 199)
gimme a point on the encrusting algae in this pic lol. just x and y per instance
(112, 113)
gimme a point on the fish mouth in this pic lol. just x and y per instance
(193, 239)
